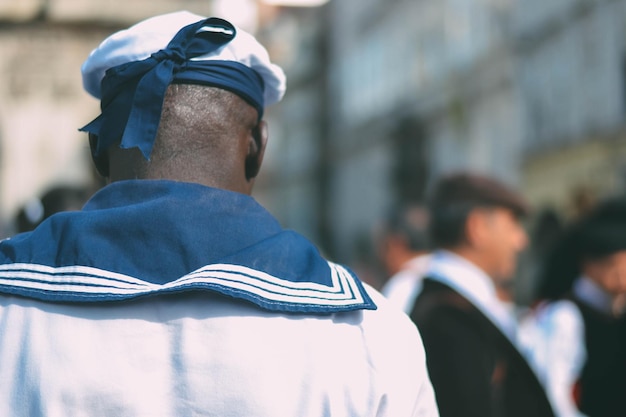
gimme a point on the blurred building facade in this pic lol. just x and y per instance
(531, 92)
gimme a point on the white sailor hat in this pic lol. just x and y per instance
(131, 70)
(143, 39)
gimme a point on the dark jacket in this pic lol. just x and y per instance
(475, 369)
(603, 381)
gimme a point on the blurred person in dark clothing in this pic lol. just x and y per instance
(63, 198)
(579, 342)
(404, 250)
(469, 333)
(545, 228)
(57, 199)
(28, 216)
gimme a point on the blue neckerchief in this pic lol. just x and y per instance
(133, 93)
(137, 238)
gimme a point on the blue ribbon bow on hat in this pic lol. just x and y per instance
(133, 92)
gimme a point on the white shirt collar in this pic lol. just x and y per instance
(474, 284)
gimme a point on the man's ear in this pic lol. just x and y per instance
(101, 161)
(475, 227)
(256, 150)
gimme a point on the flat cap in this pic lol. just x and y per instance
(475, 190)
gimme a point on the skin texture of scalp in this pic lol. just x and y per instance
(206, 135)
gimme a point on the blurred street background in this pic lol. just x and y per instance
(383, 96)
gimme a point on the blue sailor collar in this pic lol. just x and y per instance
(144, 237)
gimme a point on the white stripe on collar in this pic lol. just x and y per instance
(81, 283)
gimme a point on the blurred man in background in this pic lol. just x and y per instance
(576, 336)
(56, 199)
(173, 292)
(468, 332)
(403, 249)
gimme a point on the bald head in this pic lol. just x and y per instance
(206, 135)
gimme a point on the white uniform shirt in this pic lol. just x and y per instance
(553, 340)
(163, 298)
(198, 354)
